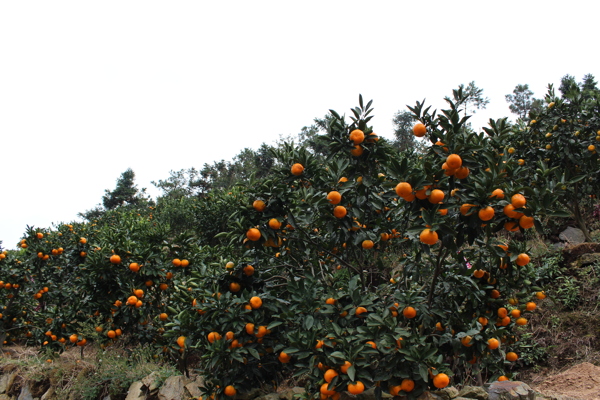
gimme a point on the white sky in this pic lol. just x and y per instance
(89, 89)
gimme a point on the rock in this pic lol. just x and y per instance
(586, 259)
(173, 388)
(289, 393)
(151, 381)
(474, 392)
(251, 394)
(510, 390)
(428, 396)
(25, 393)
(107, 397)
(6, 397)
(270, 396)
(572, 235)
(50, 394)
(6, 381)
(370, 395)
(448, 393)
(136, 391)
(193, 390)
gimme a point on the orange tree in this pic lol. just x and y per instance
(322, 233)
(558, 150)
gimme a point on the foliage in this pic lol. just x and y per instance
(522, 102)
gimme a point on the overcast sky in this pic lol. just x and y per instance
(89, 89)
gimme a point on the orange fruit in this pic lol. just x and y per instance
(486, 214)
(526, 222)
(522, 259)
(297, 169)
(181, 341)
(509, 211)
(512, 356)
(403, 189)
(230, 391)
(409, 312)
(462, 173)
(502, 312)
(466, 341)
(325, 391)
(502, 378)
(493, 344)
(248, 270)
(253, 234)
(483, 321)
(334, 197)
(540, 295)
(407, 385)
(357, 151)
(518, 201)
(530, 306)
(39, 235)
(497, 194)
(250, 328)
(395, 390)
(419, 130)
(511, 226)
(356, 388)
(163, 316)
(284, 357)
(115, 259)
(176, 262)
(73, 338)
(234, 287)
(344, 368)
(184, 263)
(495, 294)
(436, 196)
(111, 334)
(428, 236)
(372, 344)
(139, 293)
(274, 223)
(516, 313)
(329, 375)
(367, 244)
(465, 209)
(213, 336)
(256, 302)
(357, 136)
(360, 310)
(134, 267)
(454, 161)
(330, 301)
(440, 381)
(521, 321)
(259, 205)
(340, 211)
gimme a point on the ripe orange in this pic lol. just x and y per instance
(39, 235)
(357, 136)
(516, 313)
(502, 312)
(253, 234)
(297, 169)
(466, 341)
(250, 328)
(495, 294)
(83, 240)
(334, 197)
(214, 336)
(115, 259)
(511, 226)
(462, 173)
(509, 211)
(230, 391)
(111, 334)
(274, 223)
(526, 222)
(234, 287)
(512, 356)
(436, 196)
(541, 295)
(530, 306)
(493, 344)
(395, 390)
(502, 378)
(134, 267)
(521, 321)
(356, 388)
(248, 270)
(329, 375)
(518, 201)
(131, 300)
(73, 338)
(325, 391)
(340, 211)
(440, 381)
(367, 244)
(407, 385)
(522, 259)
(403, 189)
(163, 286)
(497, 194)
(454, 161)
(419, 130)
(344, 368)
(259, 205)
(372, 344)
(184, 263)
(357, 151)
(360, 310)
(256, 302)
(139, 293)
(465, 209)
(284, 357)
(486, 214)
(163, 316)
(428, 236)
(409, 312)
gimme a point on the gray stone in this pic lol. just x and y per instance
(6, 381)
(290, 393)
(173, 388)
(474, 392)
(510, 390)
(270, 396)
(193, 390)
(107, 397)
(572, 235)
(151, 381)
(429, 396)
(25, 392)
(136, 391)
(369, 394)
(586, 259)
(448, 393)
(6, 397)
(50, 394)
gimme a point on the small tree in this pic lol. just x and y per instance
(521, 102)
